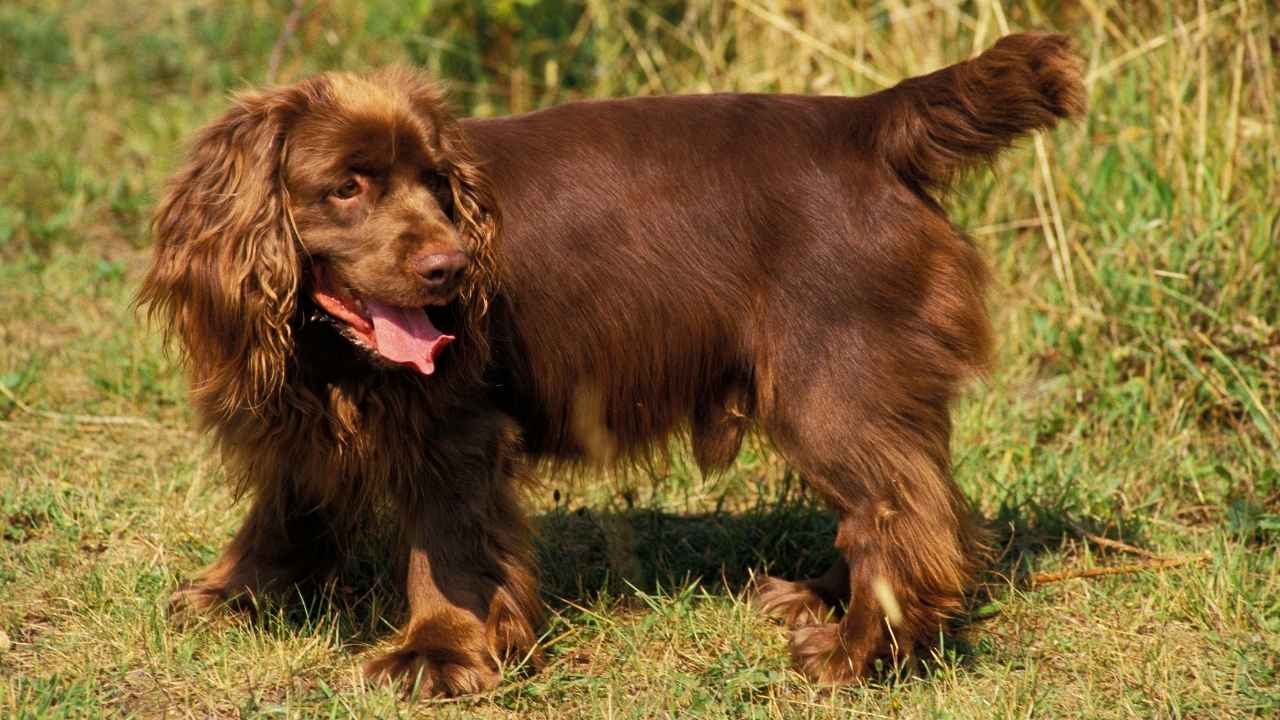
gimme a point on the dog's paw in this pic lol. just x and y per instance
(823, 655)
(794, 603)
(197, 598)
(437, 673)
(199, 601)
(192, 606)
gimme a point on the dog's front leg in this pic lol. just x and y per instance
(286, 538)
(473, 598)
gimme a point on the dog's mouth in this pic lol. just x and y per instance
(402, 335)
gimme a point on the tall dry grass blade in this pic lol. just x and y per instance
(1154, 43)
(1055, 234)
(644, 58)
(286, 32)
(1233, 113)
(1266, 423)
(1202, 101)
(1059, 229)
(852, 64)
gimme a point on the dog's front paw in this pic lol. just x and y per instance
(197, 598)
(435, 672)
(196, 603)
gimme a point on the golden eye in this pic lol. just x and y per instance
(348, 189)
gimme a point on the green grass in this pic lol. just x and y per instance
(1135, 399)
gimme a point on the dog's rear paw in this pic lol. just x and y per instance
(820, 656)
(823, 655)
(794, 603)
(437, 672)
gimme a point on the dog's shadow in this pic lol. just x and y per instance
(584, 552)
(587, 553)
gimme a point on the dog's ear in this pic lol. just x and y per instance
(475, 213)
(224, 279)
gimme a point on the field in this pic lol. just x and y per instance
(1125, 453)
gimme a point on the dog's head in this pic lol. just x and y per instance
(351, 199)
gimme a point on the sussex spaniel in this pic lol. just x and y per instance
(387, 313)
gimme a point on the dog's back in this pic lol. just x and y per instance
(706, 248)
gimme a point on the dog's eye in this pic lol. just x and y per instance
(435, 182)
(348, 189)
(439, 186)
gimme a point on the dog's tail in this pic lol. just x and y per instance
(929, 128)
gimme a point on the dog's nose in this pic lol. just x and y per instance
(441, 270)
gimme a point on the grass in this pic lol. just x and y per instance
(1137, 257)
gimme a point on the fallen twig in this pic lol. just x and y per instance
(1116, 544)
(1154, 564)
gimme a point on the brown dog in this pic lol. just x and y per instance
(384, 312)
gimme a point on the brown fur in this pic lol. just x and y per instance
(717, 263)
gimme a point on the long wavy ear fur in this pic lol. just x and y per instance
(225, 275)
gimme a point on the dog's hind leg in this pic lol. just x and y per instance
(908, 548)
(859, 390)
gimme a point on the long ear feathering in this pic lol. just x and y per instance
(477, 216)
(225, 275)
(478, 220)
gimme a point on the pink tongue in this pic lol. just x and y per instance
(406, 335)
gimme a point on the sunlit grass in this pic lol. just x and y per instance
(1135, 398)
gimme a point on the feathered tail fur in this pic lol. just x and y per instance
(931, 127)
